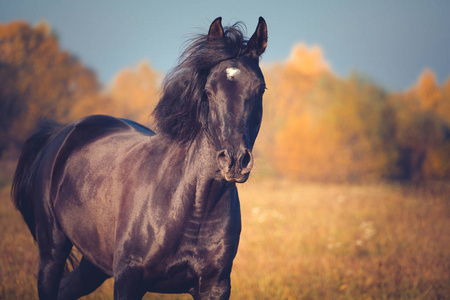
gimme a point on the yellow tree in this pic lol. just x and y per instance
(288, 82)
(359, 109)
(338, 136)
(443, 107)
(435, 142)
(428, 91)
(38, 80)
(423, 131)
(134, 92)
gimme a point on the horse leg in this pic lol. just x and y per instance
(82, 281)
(128, 285)
(212, 289)
(54, 248)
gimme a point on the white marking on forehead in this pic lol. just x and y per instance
(232, 73)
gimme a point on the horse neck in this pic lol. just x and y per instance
(201, 158)
(209, 184)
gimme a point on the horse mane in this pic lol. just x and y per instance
(182, 109)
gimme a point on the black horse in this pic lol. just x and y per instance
(158, 212)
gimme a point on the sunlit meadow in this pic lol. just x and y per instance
(303, 241)
(299, 240)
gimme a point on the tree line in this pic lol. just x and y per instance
(316, 125)
(324, 128)
(39, 80)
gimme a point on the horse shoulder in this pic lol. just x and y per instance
(83, 132)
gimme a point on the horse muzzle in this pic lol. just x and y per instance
(235, 168)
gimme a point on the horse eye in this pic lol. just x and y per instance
(207, 92)
(262, 90)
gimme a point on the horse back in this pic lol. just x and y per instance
(77, 135)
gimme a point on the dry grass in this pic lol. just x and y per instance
(328, 242)
(302, 241)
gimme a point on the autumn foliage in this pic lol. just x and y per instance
(320, 127)
(38, 80)
(316, 127)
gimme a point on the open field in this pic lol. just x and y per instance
(302, 241)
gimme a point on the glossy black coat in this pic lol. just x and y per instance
(158, 212)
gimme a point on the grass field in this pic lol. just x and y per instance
(302, 241)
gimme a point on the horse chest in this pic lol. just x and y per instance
(203, 249)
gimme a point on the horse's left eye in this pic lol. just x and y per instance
(207, 92)
(261, 90)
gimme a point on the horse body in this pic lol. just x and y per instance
(158, 212)
(109, 191)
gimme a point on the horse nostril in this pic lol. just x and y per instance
(224, 160)
(246, 160)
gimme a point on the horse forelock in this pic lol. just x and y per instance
(182, 111)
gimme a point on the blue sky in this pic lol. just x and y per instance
(390, 41)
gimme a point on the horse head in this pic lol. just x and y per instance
(217, 89)
(234, 90)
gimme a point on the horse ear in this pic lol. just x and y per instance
(215, 30)
(258, 42)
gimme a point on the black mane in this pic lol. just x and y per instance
(182, 109)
